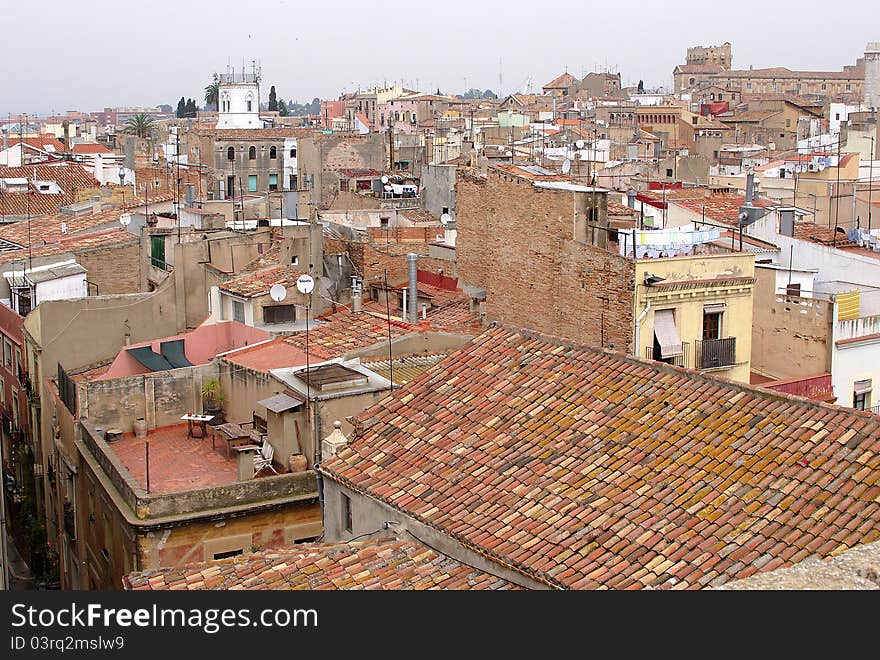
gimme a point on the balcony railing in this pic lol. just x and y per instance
(677, 360)
(715, 353)
(875, 409)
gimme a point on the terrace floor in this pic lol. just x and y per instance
(177, 463)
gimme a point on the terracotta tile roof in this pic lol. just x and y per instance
(405, 367)
(586, 469)
(90, 148)
(259, 282)
(345, 331)
(253, 133)
(781, 73)
(721, 208)
(821, 234)
(48, 143)
(615, 208)
(68, 176)
(275, 354)
(49, 227)
(382, 564)
(269, 258)
(360, 172)
(563, 81)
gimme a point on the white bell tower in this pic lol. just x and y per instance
(239, 99)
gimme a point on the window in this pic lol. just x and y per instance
(279, 314)
(273, 153)
(250, 104)
(836, 116)
(793, 289)
(849, 88)
(293, 152)
(238, 311)
(824, 86)
(157, 252)
(228, 553)
(711, 323)
(346, 513)
(667, 342)
(669, 172)
(2, 391)
(7, 354)
(788, 123)
(748, 85)
(273, 182)
(16, 366)
(252, 183)
(15, 407)
(862, 394)
(294, 261)
(252, 153)
(230, 153)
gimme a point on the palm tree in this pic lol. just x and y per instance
(140, 125)
(212, 93)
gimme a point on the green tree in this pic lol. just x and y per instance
(212, 94)
(273, 100)
(190, 108)
(181, 108)
(282, 108)
(140, 125)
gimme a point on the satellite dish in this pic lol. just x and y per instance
(125, 219)
(278, 292)
(388, 188)
(566, 166)
(580, 144)
(477, 129)
(305, 284)
(445, 218)
(384, 179)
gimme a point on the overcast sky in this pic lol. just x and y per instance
(95, 53)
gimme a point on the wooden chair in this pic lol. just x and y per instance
(264, 458)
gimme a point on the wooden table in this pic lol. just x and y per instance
(233, 434)
(194, 422)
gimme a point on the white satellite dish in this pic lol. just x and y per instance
(477, 129)
(305, 284)
(388, 188)
(566, 166)
(278, 292)
(384, 179)
(580, 144)
(445, 218)
(125, 219)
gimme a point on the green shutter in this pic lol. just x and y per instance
(157, 251)
(252, 183)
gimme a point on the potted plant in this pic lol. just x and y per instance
(212, 398)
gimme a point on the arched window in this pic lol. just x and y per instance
(273, 153)
(293, 152)
(230, 153)
(252, 153)
(224, 103)
(250, 102)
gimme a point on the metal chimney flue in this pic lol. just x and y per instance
(413, 308)
(750, 188)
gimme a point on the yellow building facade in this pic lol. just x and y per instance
(696, 312)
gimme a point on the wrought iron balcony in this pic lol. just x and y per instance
(715, 353)
(678, 360)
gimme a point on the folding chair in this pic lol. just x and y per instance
(264, 458)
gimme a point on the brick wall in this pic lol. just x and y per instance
(378, 257)
(113, 269)
(517, 242)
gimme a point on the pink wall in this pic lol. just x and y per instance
(201, 346)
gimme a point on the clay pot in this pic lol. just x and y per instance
(297, 463)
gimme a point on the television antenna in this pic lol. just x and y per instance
(278, 292)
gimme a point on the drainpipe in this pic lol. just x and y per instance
(413, 311)
(639, 319)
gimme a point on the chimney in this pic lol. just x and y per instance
(356, 301)
(66, 125)
(333, 443)
(413, 310)
(5, 144)
(631, 198)
(190, 195)
(750, 187)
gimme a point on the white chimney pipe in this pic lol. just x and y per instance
(413, 310)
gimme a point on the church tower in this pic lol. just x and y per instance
(239, 99)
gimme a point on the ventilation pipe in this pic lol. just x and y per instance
(631, 198)
(413, 309)
(5, 144)
(750, 188)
